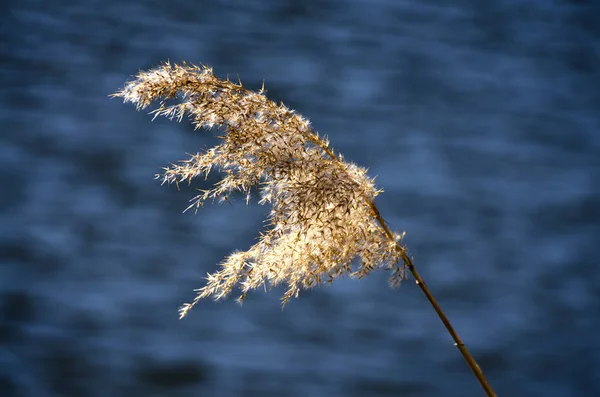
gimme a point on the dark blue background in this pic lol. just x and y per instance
(480, 119)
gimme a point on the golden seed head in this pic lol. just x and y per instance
(321, 216)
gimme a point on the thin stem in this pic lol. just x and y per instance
(457, 341)
(408, 263)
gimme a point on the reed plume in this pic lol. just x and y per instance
(323, 222)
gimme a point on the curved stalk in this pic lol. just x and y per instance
(419, 280)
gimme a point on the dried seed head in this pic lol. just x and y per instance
(322, 215)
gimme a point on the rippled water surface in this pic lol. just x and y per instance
(480, 120)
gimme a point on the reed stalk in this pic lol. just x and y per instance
(323, 218)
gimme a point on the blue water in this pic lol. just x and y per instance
(480, 119)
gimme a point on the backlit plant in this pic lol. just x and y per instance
(323, 221)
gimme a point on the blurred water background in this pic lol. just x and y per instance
(479, 118)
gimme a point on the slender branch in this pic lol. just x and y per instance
(457, 341)
(411, 267)
(421, 283)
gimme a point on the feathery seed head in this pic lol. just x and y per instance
(322, 215)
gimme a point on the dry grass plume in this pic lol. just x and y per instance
(323, 221)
